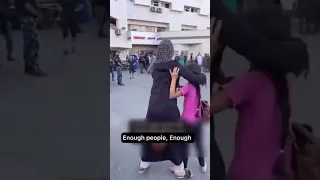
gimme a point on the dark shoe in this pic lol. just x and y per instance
(120, 84)
(65, 52)
(35, 71)
(10, 58)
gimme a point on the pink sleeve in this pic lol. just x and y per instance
(240, 90)
(185, 89)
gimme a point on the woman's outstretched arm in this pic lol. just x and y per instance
(199, 79)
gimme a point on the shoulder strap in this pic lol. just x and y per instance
(285, 126)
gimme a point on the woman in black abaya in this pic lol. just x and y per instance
(164, 110)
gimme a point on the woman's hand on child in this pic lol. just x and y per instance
(174, 73)
(215, 34)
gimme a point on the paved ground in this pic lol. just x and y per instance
(65, 113)
(125, 157)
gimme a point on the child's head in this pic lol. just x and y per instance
(272, 22)
(194, 68)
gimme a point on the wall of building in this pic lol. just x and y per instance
(176, 16)
(122, 23)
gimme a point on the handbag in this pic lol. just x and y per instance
(203, 112)
(305, 154)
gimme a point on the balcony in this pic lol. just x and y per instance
(119, 41)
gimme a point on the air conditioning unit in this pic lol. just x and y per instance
(159, 10)
(118, 32)
(153, 9)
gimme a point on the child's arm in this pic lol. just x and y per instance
(174, 76)
(236, 93)
(220, 102)
(173, 93)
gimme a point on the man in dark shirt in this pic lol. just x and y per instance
(118, 66)
(30, 16)
(5, 27)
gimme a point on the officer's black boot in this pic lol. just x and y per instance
(34, 70)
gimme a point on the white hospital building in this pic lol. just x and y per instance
(137, 26)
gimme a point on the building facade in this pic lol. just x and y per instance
(140, 25)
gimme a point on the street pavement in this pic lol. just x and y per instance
(54, 127)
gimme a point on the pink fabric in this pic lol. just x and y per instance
(258, 130)
(190, 104)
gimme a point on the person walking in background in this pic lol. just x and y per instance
(199, 59)
(142, 63)
(118, 66)
(30, 15)
(132, 66)
(5, 28)
(69, 24)
(206, 63)
(182, 60)
(112, 68)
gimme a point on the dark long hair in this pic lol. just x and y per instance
(271, 22)
(196, 69)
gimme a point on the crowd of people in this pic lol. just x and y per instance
(144, 64)
(308, 13)
(71, 13)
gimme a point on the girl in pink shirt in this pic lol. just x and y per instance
(190, 114)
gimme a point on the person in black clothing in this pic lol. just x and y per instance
(5, 28)
(112, 67)
(142, 63)
(160, 102)
(118, 66)
(30, 16)
(69, 24)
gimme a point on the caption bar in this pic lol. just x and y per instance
(157, 138)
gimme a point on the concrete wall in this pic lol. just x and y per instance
(176, 16)
(122, 23)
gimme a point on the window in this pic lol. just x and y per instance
(149, 29)
(155, 3)
(113, 23)
(166, 5)
(191, 9)
(184, 53)
(161, 29)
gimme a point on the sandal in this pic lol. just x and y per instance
(186, 175)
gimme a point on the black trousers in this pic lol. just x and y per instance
(197, 132)
(69, 25)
